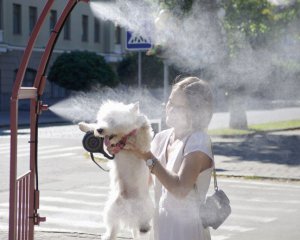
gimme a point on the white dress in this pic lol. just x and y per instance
(179, 219)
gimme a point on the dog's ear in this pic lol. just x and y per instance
(136, 107)
(85, 127)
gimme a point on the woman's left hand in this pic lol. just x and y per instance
(131, 146)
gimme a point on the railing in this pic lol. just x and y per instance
(23, 194)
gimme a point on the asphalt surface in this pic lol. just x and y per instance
(271, 155)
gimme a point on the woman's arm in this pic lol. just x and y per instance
(181, 183)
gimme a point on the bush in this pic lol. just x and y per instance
(80, 71)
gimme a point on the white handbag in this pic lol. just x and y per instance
(216, 209)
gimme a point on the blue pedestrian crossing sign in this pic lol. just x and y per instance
(136, 42)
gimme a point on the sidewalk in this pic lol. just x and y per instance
(271, 155)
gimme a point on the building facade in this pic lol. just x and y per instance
(82, 31)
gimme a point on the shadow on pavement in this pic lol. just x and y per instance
(262, 147)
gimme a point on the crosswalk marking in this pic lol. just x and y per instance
(71, 201)
(4, 145)
(74, 223)
(99, 187)
(49, 208)
(57, 155)
(54, 229)
(81, 210)
(56, 209)
(4, 213)
(221, 237)
(264, 209)
(264, 184)
(254, 187)
(53, 150)
(26, 148)
(86, 194)
(45, 152)
(264, 200)
(253, 218)
(236, 228)
(3, 227)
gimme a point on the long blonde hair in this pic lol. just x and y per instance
(200, 101)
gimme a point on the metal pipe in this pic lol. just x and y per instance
(33, 94)
(14, 120)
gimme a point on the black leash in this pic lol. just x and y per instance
(94, 144)
(93, 159)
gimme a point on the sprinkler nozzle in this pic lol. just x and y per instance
(42, 107)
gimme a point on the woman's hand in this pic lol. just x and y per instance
(131, 146)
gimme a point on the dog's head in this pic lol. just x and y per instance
(116, 119)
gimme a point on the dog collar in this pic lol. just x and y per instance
(116, 148)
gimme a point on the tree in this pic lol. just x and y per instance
(249, 27)
(80, 71)
(258, 20)
(152, 70)
(257, 23)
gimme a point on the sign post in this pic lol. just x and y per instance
(135, 42)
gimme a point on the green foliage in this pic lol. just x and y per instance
(259, 20)
(263, 127)
(80, 71)
(152, 71)
(185, 5)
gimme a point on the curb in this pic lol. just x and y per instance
(253, 133)
(260, 178)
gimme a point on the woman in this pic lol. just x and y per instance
(181, 161)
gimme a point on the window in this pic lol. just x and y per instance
(29, 77)
(0, 84)
(97, 30)
(117, 35)
(67, 29)
(32, 18)
(17, 16)
(85, 31)
(53, 19)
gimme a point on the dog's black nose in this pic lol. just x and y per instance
(100, 130)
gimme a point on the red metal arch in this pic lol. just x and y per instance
(24, 194)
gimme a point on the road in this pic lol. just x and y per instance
(221, 120)
(73, 192)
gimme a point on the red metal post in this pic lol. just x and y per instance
(37, 106)
(22, 190)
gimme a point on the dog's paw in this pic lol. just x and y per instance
(130, 144)
(145, 228)
(107, 237)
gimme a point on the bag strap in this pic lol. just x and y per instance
(214, 169)
(215, 178)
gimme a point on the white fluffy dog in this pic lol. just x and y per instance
(129, 204)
